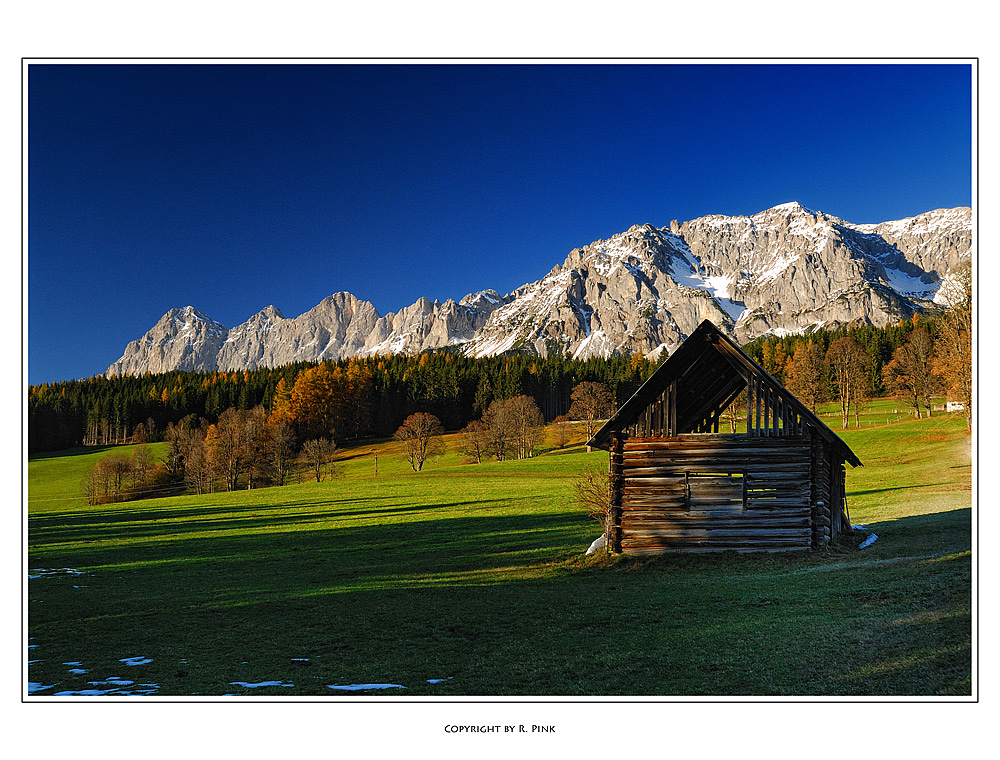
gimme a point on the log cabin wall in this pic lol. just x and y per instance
(678, 485)
(821, 492)
(698, 492)
(838, 478)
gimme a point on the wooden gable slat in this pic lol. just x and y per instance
(704, 341)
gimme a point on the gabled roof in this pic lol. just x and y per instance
(719, 369)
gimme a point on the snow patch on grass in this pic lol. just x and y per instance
(113, 686)
(135, 660)
(868, 541)
(43, 572)
(365, 686)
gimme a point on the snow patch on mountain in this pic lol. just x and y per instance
(784, 270)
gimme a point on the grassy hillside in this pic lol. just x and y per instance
(475, 575)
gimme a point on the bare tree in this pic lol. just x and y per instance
(199, 465)
(910, 374)
(119, 470)
(501, 429)
(592, 491)
(527, 424)
(107, 481)
(515, 427)
(420, 435)
(591, 402)
(736, 411)
(175, 450)
(318, 454)
(562, 428)
(142, 463)
(230, 446)
(953, 346)
(847, 363)
(282, 449)
(257, 440)
(804, 374)
(474, 440)
(89, 487)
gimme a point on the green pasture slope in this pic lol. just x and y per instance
(475, 574)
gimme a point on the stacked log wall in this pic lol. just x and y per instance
(613, 531)
(715, 493)
(822, 492)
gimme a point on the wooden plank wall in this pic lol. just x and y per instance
(659, 418)
(838, 482)
(769, 413)
(614, 527)
(687, 493)
(822, 492)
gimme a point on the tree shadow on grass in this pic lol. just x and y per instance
(494, 603)
(569, 450)
(895, 488)
(125, 525)
(77, 451)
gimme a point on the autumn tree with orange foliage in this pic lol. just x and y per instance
(804, 374)
(953, 344)
(281, 405)
(315, 404)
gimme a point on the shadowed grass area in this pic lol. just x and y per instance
(476, 574)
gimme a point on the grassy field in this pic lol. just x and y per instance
(471, 580)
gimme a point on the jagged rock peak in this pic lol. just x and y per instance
(269, 312)
(189, 315)
(792, 207)
(782, 270)
(182, 339)
(488, 298)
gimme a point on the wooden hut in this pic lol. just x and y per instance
(678, 484)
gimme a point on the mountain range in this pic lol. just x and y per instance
(784, 270)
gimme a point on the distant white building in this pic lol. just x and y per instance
(955, 406)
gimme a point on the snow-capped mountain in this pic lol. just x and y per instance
(787, 269)
(339, 327)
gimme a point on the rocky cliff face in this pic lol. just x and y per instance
(338, 327)
(183, 339)
(335, 328)
(787, 269)
(431, 324)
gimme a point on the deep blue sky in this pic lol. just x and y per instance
(231, 187)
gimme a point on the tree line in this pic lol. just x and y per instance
(513, 428)
(357, 398)
(254, 448)
(914, 360)
(245, 448)
(373, 396)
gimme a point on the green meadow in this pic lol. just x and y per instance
(470, 579)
